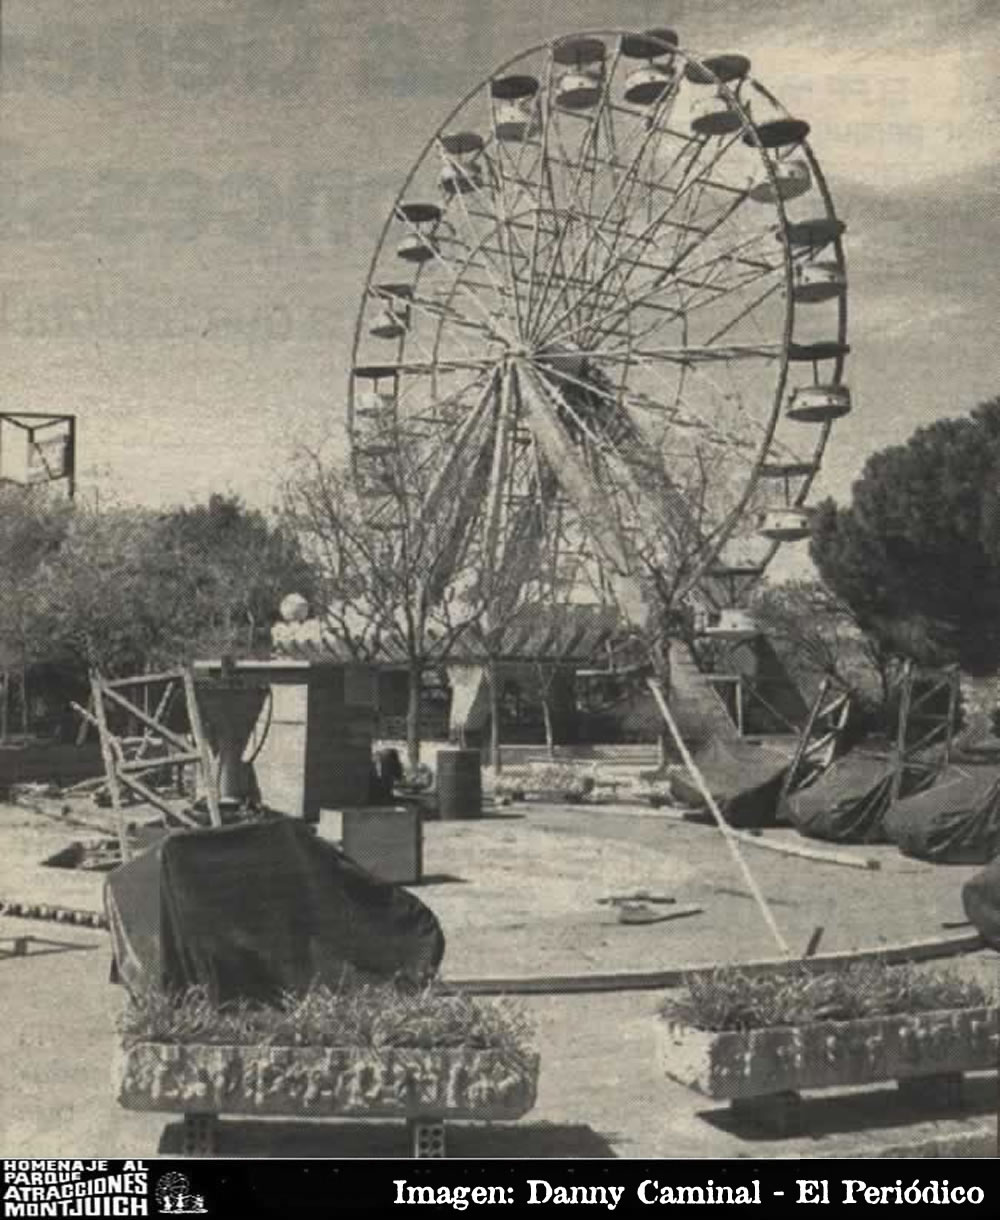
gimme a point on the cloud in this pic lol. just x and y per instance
(889, 316)
(893, 117)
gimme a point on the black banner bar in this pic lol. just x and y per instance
(417, 1188)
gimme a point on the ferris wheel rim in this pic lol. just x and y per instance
(748, 128)
(434, 138)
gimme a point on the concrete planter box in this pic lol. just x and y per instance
(830, 1054)
(325, 1082)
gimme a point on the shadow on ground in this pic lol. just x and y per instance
(264, 1138)
(856, 1112)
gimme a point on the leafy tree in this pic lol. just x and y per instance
(234, 566)
(99, 599)
(33, 523)
(126, 590)
(916, 554)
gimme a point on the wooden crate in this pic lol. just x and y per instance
(387, 840)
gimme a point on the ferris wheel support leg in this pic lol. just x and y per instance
(731, 841)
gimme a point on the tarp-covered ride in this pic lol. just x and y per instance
(981, 899)
(254, 910)
(851, 799)
(955, 822)
(744, 779)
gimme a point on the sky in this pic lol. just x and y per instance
(191, 194)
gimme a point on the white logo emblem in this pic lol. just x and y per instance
(173, 1193)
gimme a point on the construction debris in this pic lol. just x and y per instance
(643, 912)
(929, 949)
(42, 910)
(638, 896)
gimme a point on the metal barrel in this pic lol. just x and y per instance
(459, 784)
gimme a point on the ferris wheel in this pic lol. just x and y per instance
(602, 341)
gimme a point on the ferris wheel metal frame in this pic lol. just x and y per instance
(528, 371)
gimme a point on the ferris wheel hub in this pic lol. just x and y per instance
(562, 358)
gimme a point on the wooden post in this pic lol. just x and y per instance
(954, 692)
(803, 743)
(905, 698)
(161, 710)
(198, 731)
(107, 753)
(869, 864)
(84, 729)
(726, 830)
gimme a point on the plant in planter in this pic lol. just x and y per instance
(546, 782)
(559, 782)
(510, 785)
(655, 790)
(365, 1050)
(758, 1040)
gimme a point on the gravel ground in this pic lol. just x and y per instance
(516, 895)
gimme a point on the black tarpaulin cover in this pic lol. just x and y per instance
(981, 899)
(850, 800)
(955, 822)
(253, 910)
(745, 781)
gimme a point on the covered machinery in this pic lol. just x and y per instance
(254, 910)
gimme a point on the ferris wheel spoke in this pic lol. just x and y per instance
(626, 254)
(745, 312)
(572, 193)
(700, 354)
(432, 355)
(422, 415)
(498, 275)
(601, 129)
(462, 455)
(515, 182)
(681, 412)
(506, 236)
(737, 254)
(447, 364)
(431, 244)
(439, 311)
(540, 321)
(704, 294)
(433, 311)
(663, 276)
(543, 184)
(565, 239)
(495, 503)
(570, 470)
(740, 443)
(625, 208)
(508, 190)
(438, 403)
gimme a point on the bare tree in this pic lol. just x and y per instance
(391, 569)
(818, 635)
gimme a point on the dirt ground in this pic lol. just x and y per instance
(517, 895)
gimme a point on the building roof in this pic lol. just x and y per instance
(567, 635)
